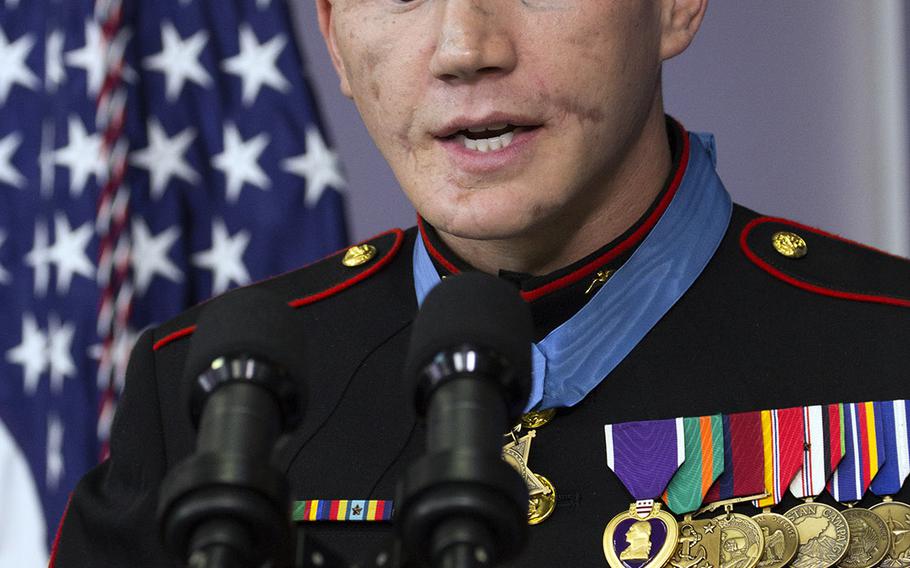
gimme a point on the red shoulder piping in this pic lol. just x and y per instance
(56, 544)
(173, 337)
(313, 298)
(815, 289)
(621, 247)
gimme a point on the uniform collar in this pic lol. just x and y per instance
(576, 356)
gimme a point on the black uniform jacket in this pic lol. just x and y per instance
(755, 331)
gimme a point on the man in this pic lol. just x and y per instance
(531, 138)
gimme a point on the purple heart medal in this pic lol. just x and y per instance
(644, 456)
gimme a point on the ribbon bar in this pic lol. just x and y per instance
(645, 455)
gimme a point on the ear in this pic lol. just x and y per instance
(325, 12)
(679, 20)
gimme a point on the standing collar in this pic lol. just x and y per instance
(578, 354)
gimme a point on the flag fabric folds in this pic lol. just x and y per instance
(152, 154)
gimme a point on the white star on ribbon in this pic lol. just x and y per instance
(8, 172)
(39, 258)
(225, 258)
(256, 64)
(179, 60)
(4, 275)
(55, 463)
(31, 354)
(91, 57)
(54, 71)
(13, 69)
(68, 252)
(163, 157)
(59, 345)
(150, 255)
(82, 155)
(318, 166)
(238, 161)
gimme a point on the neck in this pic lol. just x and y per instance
(614, 205)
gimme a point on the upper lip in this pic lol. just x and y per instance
(465, 122)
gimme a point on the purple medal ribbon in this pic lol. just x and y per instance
(645, 455)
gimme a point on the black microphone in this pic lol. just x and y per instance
(461, 505)
(227, 505)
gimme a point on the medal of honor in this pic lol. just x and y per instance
(644, 456)
(890, 478)
(541, 493)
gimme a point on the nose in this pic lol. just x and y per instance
(472, 41)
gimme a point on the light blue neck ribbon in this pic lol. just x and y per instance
(576, 356)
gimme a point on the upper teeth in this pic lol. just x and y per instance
(485, 128)
(487, 144)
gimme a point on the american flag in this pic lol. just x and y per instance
(152, 154)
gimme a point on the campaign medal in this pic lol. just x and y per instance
(781, 540)
(541, 493)
(644, 456)
(823, 535)
(890, 478)
(870, 539)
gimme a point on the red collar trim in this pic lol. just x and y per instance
(586, 270)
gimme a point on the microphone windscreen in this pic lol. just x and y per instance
(247, 321)
(479, 309)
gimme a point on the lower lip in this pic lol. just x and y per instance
(475, 162)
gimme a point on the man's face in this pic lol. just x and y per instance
(500, 117)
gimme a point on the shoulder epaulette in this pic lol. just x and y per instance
(313, 283)
(826, 264)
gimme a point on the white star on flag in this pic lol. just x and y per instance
(55, 464)
(54, 71)
(13, 69)
(256, 64)
(59, 345)
(239, 163)
(31, 354)
(82, 155)
(149, 255)
(91, 57)
(4, 275)
(8, 172)
(68, 252)
(39, 258)
(179, 60)
(318, 166)
(163, 157)
(225, 258)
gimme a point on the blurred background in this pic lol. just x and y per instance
(153, 154)
(808, 101)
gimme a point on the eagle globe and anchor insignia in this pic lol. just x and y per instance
(642, 537)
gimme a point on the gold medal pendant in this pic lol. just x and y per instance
(642, 537)
(781, 540)
(897, 517)
(823, 535)
(699, 544)
(741, 541)
(541, 493)
(870, 539)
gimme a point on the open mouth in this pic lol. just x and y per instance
(488, 138)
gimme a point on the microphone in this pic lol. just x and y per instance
(226, 505)
(461, 505)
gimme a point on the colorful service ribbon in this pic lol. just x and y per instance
(366, 510)
(864, 454)
(823, 448)
(896, 438)
(743, 473)
(645, 455)
(704, 462)
(782, 434)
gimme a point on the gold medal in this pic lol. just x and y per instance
(541, 505)
(781, 540)
(699, 544)
(644, 536)
(823, 535)
(541, 493)
(741, 541)
(897, 517)
(870, 539)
